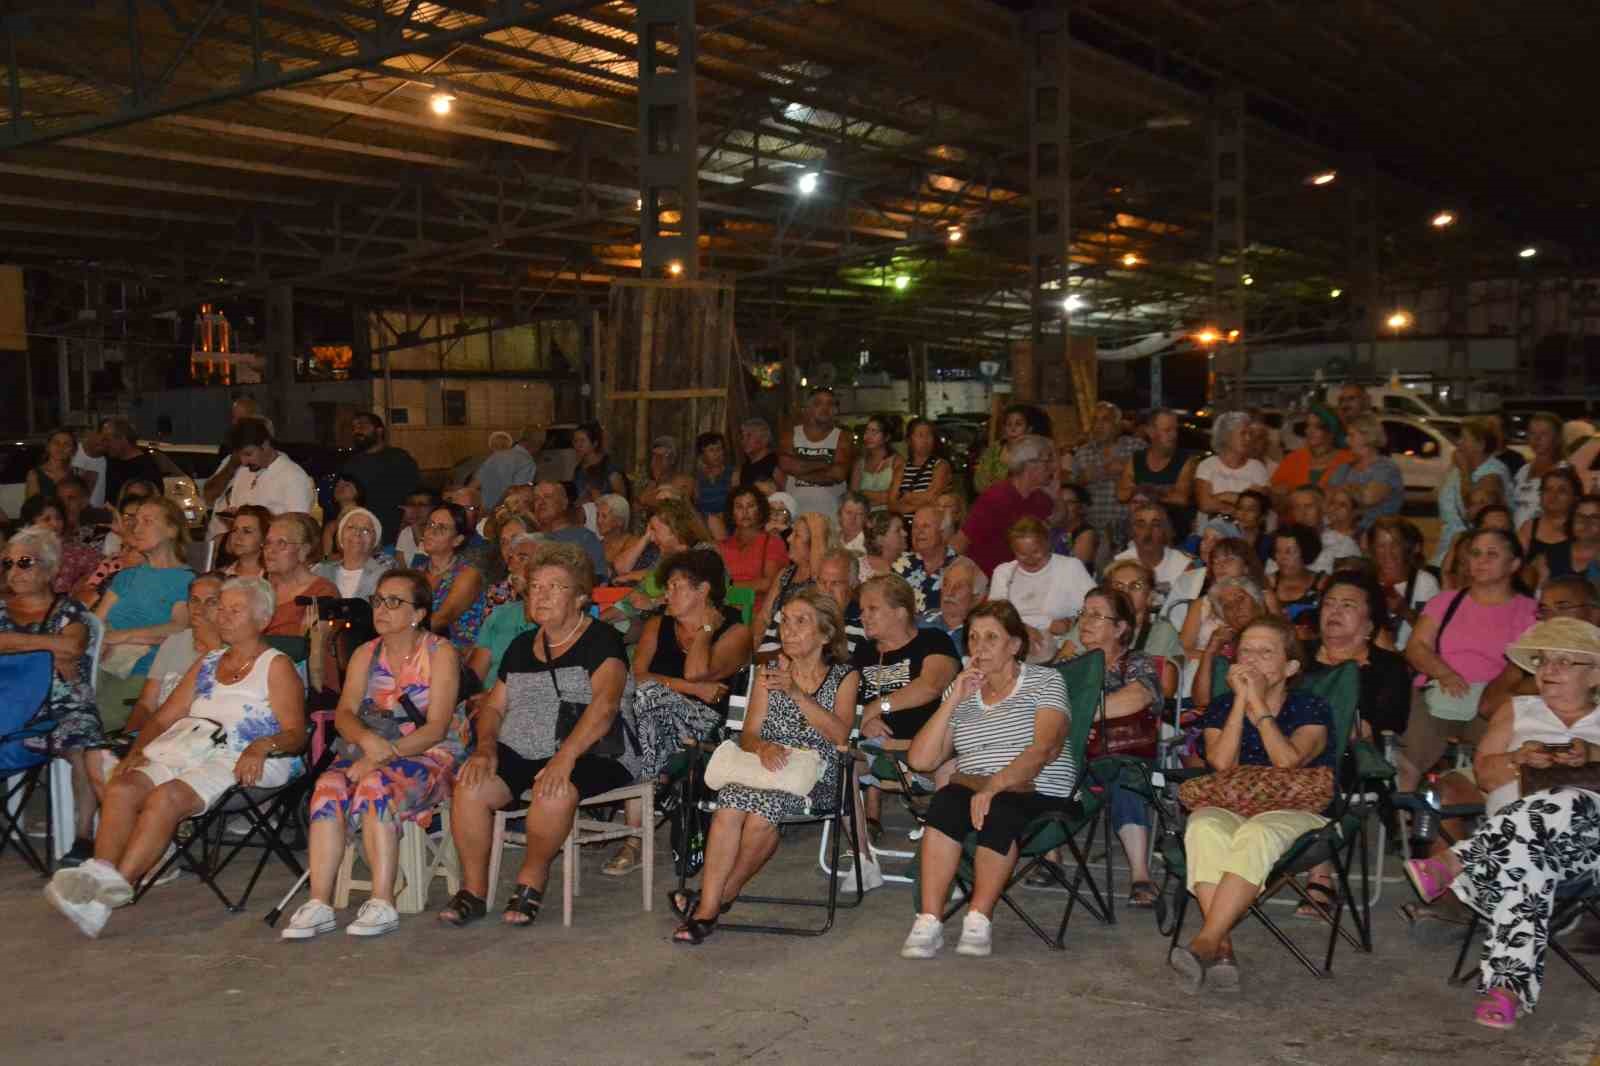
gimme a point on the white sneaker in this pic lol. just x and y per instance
(871, 875)
(977, 935)
(94, 881)
(90, 916)
(375, 918)
(925, 939)
(313, 918)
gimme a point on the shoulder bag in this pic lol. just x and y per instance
(613, 745)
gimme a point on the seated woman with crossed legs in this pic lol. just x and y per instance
(805, 699)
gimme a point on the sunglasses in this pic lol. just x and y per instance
(25, 562)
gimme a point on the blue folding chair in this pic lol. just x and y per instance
(24, 690)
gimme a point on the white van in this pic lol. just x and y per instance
(1391, 400)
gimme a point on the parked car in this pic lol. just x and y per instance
(17, 457)
(1423, 448)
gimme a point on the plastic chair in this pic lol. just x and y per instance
(605, 596)
(422, 860)
(744, 598)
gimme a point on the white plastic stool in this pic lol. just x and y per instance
(421, 860)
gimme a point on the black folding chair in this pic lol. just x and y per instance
(24, 689)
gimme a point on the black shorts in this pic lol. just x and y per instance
(903, 725)
(950, 812)
(591, 774)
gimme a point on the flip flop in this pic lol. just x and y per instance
(683, 903)
(1318, 908)
(1430, 877)
(694, 932)
(1496, 1009)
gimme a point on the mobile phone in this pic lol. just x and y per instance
(768, 658)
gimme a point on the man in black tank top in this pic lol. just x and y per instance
(1162, 473)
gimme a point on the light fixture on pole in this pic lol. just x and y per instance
(1443, 219)
(1334, 294)
(675, 268)
(901, 282)
(441, 102)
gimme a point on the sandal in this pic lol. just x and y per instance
(694, 931)
(1321, 907)
(463, 909)
(1223, 975)
(625, 861)
(1430, 877)
(525, 901)
(875, 832)
(683, 902)
(1143, 895)
(1496, 1009)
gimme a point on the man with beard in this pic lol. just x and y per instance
(387, 474)
(266, 476)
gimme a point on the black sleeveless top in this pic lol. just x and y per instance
(1557, 553)
(671, 657)
(1167, 475)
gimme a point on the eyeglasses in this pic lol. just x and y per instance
(1129, 586)
(1539, 661)
(391, 603)
(539, 588)
(1097, 616)
(209, 601)
(25, 562)
(439, 527)
(360, 531)
(277, 543)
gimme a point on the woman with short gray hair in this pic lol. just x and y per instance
(1229, 471)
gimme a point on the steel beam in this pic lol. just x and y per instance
(669, 147)
(1046, 45)
(1228, 244)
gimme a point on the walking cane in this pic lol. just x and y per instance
(275, 913)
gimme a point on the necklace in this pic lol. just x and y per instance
(548, 643)
(240, 671)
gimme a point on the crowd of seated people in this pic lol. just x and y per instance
(564, 639)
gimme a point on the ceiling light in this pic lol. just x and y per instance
(1443, 219)
(1072, 303)
(954, 234)
(901, 281)
(807, 183)
(1208, 336)
(1334, 294)
(675, 268)
(1248, 279)
(638, 203)
(1399, 320)
(1130, 260)
(1322, 177)
(1233, 336)
(1529, 252)
(441, 103)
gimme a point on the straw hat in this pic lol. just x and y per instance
(1556, 634)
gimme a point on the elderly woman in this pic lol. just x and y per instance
(1294, 587)
(885, 541)
(1396, 546)
(904, 670)
(458, 602)
(356, 571)
(1134, 683)
(1458, 648)
(243, 545)
(1258, 722)
(1047, 589)
(811, 538)
(179, 767)
(684, 667)
(1005, 723)
(288, 552)
(400, 742)
(1231, 557)
(665, 481)
(752, 555)
(1373, 477)
(804, 700)
(143, 606)
(347, 495)
(1547, 537)
(878, 465)
(34, 617)
(1545, 431)
(1220, 477)
(179, 651)
(1232, 604)
(78, 560)
(612, 514)
(508, 527)
(1510, 868)
(926, 473)
(1474, 464)
(853, 513)
(525, 742)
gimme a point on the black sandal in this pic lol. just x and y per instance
(1322, 906)
(1143, 894)
(698, 931)
(684, 901)
(526, 901)
(463, 909)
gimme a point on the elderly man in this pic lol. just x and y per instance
(1305, 509)
(385, 473)
(964, 588)
(817, 458)
(509, 466)
(985, 537)
(125, 460)
(760, 461)
(1152, 546)
(1099, 465)
(1163, 472)
(839, 575)
(1352, 402)
(924, 565)
(552, 510)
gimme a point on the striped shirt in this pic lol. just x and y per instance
(989, 736)
(919, 478)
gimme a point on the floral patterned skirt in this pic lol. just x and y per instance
(404, 790)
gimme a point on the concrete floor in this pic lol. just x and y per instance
(176, 979)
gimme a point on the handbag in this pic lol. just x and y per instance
(611, 746)
(187, 741)
(1531, 780)
(1251, 790)
(1133, 735)
(732, 765)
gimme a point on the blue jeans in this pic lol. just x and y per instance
(1127, 807)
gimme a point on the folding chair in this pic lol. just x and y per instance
(743, 598)
(24, 689)
(1337, 842)
(1085, 679)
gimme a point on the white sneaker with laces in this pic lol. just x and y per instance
(312, 919)
(375, 918)
(89, 916)
(977, 935)
(925, 939)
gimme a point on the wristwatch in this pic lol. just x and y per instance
(707, 627)
(883, 705)
(1266, 718)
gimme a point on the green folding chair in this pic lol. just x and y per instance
(1082, 815)
(744, 599)
(1338, 842)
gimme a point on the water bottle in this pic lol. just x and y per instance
(1425, 823)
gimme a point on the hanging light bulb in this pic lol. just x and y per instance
(441, 103)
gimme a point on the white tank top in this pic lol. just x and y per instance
(1532, 720)
(819, 498)
(243, 708)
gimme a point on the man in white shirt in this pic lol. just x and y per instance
(90, 463)
(1305, 509)
(1152, 546)
(266, 476)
